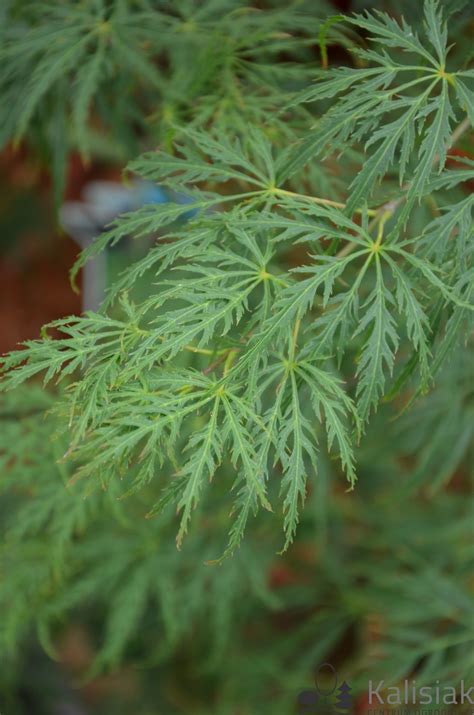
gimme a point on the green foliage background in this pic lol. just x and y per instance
(306, 331)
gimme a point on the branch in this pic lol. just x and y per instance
(319, 200)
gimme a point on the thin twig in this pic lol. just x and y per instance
(319, 200)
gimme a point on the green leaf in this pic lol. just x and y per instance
(88, 81)
(436, 29)
(206, 449)
(294, 446)
(391, 33)
(417, 322)
(329, 398)
(378, 353)
(465, 98)
(242, 449)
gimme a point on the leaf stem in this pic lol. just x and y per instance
(320, 200)
(382, 221)
(294, 339)
(230, 359)
(192, 349)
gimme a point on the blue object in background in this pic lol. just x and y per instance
(147, 193)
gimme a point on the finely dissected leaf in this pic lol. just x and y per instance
(430, 272)
(159, 258)
(465, 98)
(147, 221)
(435, 143)
(335, 326)
(378, 351)
(207, 159)
(245, 505)
(392, 33)
(261, 277)
(294, 447)
(389, 135)
(206, 448)
(417, 322)
(46, 74)
(460, 317)
(314, 236)
(88, 81)
(295, 299)
(450, 178)
(328, 397)
(449, 233)
(436, 29)
(391, 116)
(243, 452)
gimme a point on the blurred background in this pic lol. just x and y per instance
(378, 585)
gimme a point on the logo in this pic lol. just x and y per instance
(326, 698)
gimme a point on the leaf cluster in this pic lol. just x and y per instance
(233, 359)
(310, 279)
